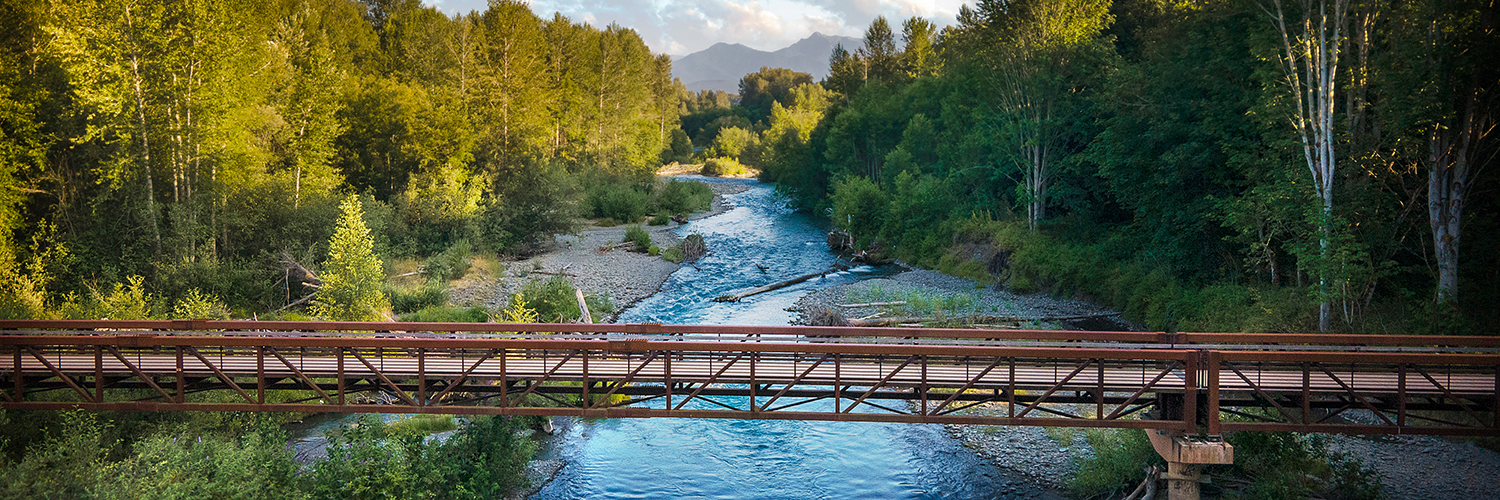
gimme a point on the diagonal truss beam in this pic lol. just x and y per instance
(302, 376)
(883, 381)
(968, 385)
(1449, 393)
(1357, 396)
(382, 377)
(55, 371)
(138, 373)
(708, 382)
(457, 381)
(628, 377)
(1269, 398)
(796, 380)
(1055, 387)
(1114, 414)
(220, 373)
(531, 387)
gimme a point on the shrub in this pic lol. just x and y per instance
(684, 197)
(352, 276)
(618, 201)
(422, 425)
(450, 264)
(639, 236)
(673, 255)
(859, 207)
(1119, 459)
(409, 300)
(721, 167)
(653, 251)
(660, 220)
(197, 305)
(552, 299)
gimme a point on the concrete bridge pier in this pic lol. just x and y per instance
(1186, 454)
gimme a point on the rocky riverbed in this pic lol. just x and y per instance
(589, 260)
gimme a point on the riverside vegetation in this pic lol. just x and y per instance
(210, 159)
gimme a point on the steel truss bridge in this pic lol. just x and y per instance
(1181, 382)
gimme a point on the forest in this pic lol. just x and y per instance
(1247, 165)
(185, 152)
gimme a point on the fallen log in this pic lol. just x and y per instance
(736, 297)
(583, 307)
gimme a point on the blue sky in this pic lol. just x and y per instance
(681, 27)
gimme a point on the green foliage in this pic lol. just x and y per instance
(517, 311)
(723, 167)
(653, 251)
(759, 90)
(352, 276)
(673, 255)
(128, 300)
(635, 234)
(552, 300)
(684, 197)
(405, 300)
(451, 264)
(859, 208)
(1119, 462)
(681, 150)
(421, 425)
(1285, 465)
(659, 220)
(447, 314)
(619, 202)
(197, 305)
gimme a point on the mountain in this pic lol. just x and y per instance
(721, 66)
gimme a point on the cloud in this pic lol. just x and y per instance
(680, 27)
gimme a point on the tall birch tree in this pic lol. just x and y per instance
(1309, 61)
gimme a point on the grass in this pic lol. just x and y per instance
(422, 424)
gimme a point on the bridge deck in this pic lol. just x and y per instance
(1435, 385)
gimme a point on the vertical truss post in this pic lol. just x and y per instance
(260, 375)
(1213, 393)
(666, 373)
(1010, 391)
(1306, 394)
(421, 376)
(98, 374)
(753, 357)
(20, 382)
(1495, 405)
(924, 385)
(1190, 391)
(1099, 396)
(339, 351)
(181, 385)
(1401, 394)
(585, 403)
(504, 379)
(837, 383)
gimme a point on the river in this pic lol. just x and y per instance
(762, 459)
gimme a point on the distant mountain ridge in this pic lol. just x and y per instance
(721, 66)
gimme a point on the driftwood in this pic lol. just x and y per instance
(680, 219)
(292, 271)
(875, 304)
(298, 302)
(969, 319)
(736, 297)
(583, 307)
(563, 271)
(693, 247)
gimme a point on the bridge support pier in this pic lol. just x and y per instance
(1186, 456)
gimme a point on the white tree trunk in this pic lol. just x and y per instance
(1309, 61)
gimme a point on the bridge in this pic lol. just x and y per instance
(1186, 388)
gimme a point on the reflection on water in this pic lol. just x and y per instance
(762, 459)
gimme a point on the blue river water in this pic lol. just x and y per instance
(762, 459)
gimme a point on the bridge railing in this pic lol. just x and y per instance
(1209, 382)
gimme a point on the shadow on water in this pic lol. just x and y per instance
(763, 459)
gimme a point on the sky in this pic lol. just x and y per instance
(681, 27)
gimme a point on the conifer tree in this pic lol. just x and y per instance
(352, 276)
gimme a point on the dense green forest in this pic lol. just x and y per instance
(186, 150)
(1232, 166)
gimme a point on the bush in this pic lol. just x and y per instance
(409, 300)
(447, 314)
(660, 220)
(639, 236)
(684, 197)
(450, 264)
(721, 167)
(673, 255)
(422, 424)
(553, 299)
(1120, 457)
(859, 207)
(653, 251)
(618, 201)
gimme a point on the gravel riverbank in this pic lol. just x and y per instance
(623, 276)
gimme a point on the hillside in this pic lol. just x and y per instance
(720, 67)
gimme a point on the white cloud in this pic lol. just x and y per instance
(680, 27)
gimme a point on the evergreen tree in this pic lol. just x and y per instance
(352, 276)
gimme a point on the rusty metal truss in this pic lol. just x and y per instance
(1190, 382)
